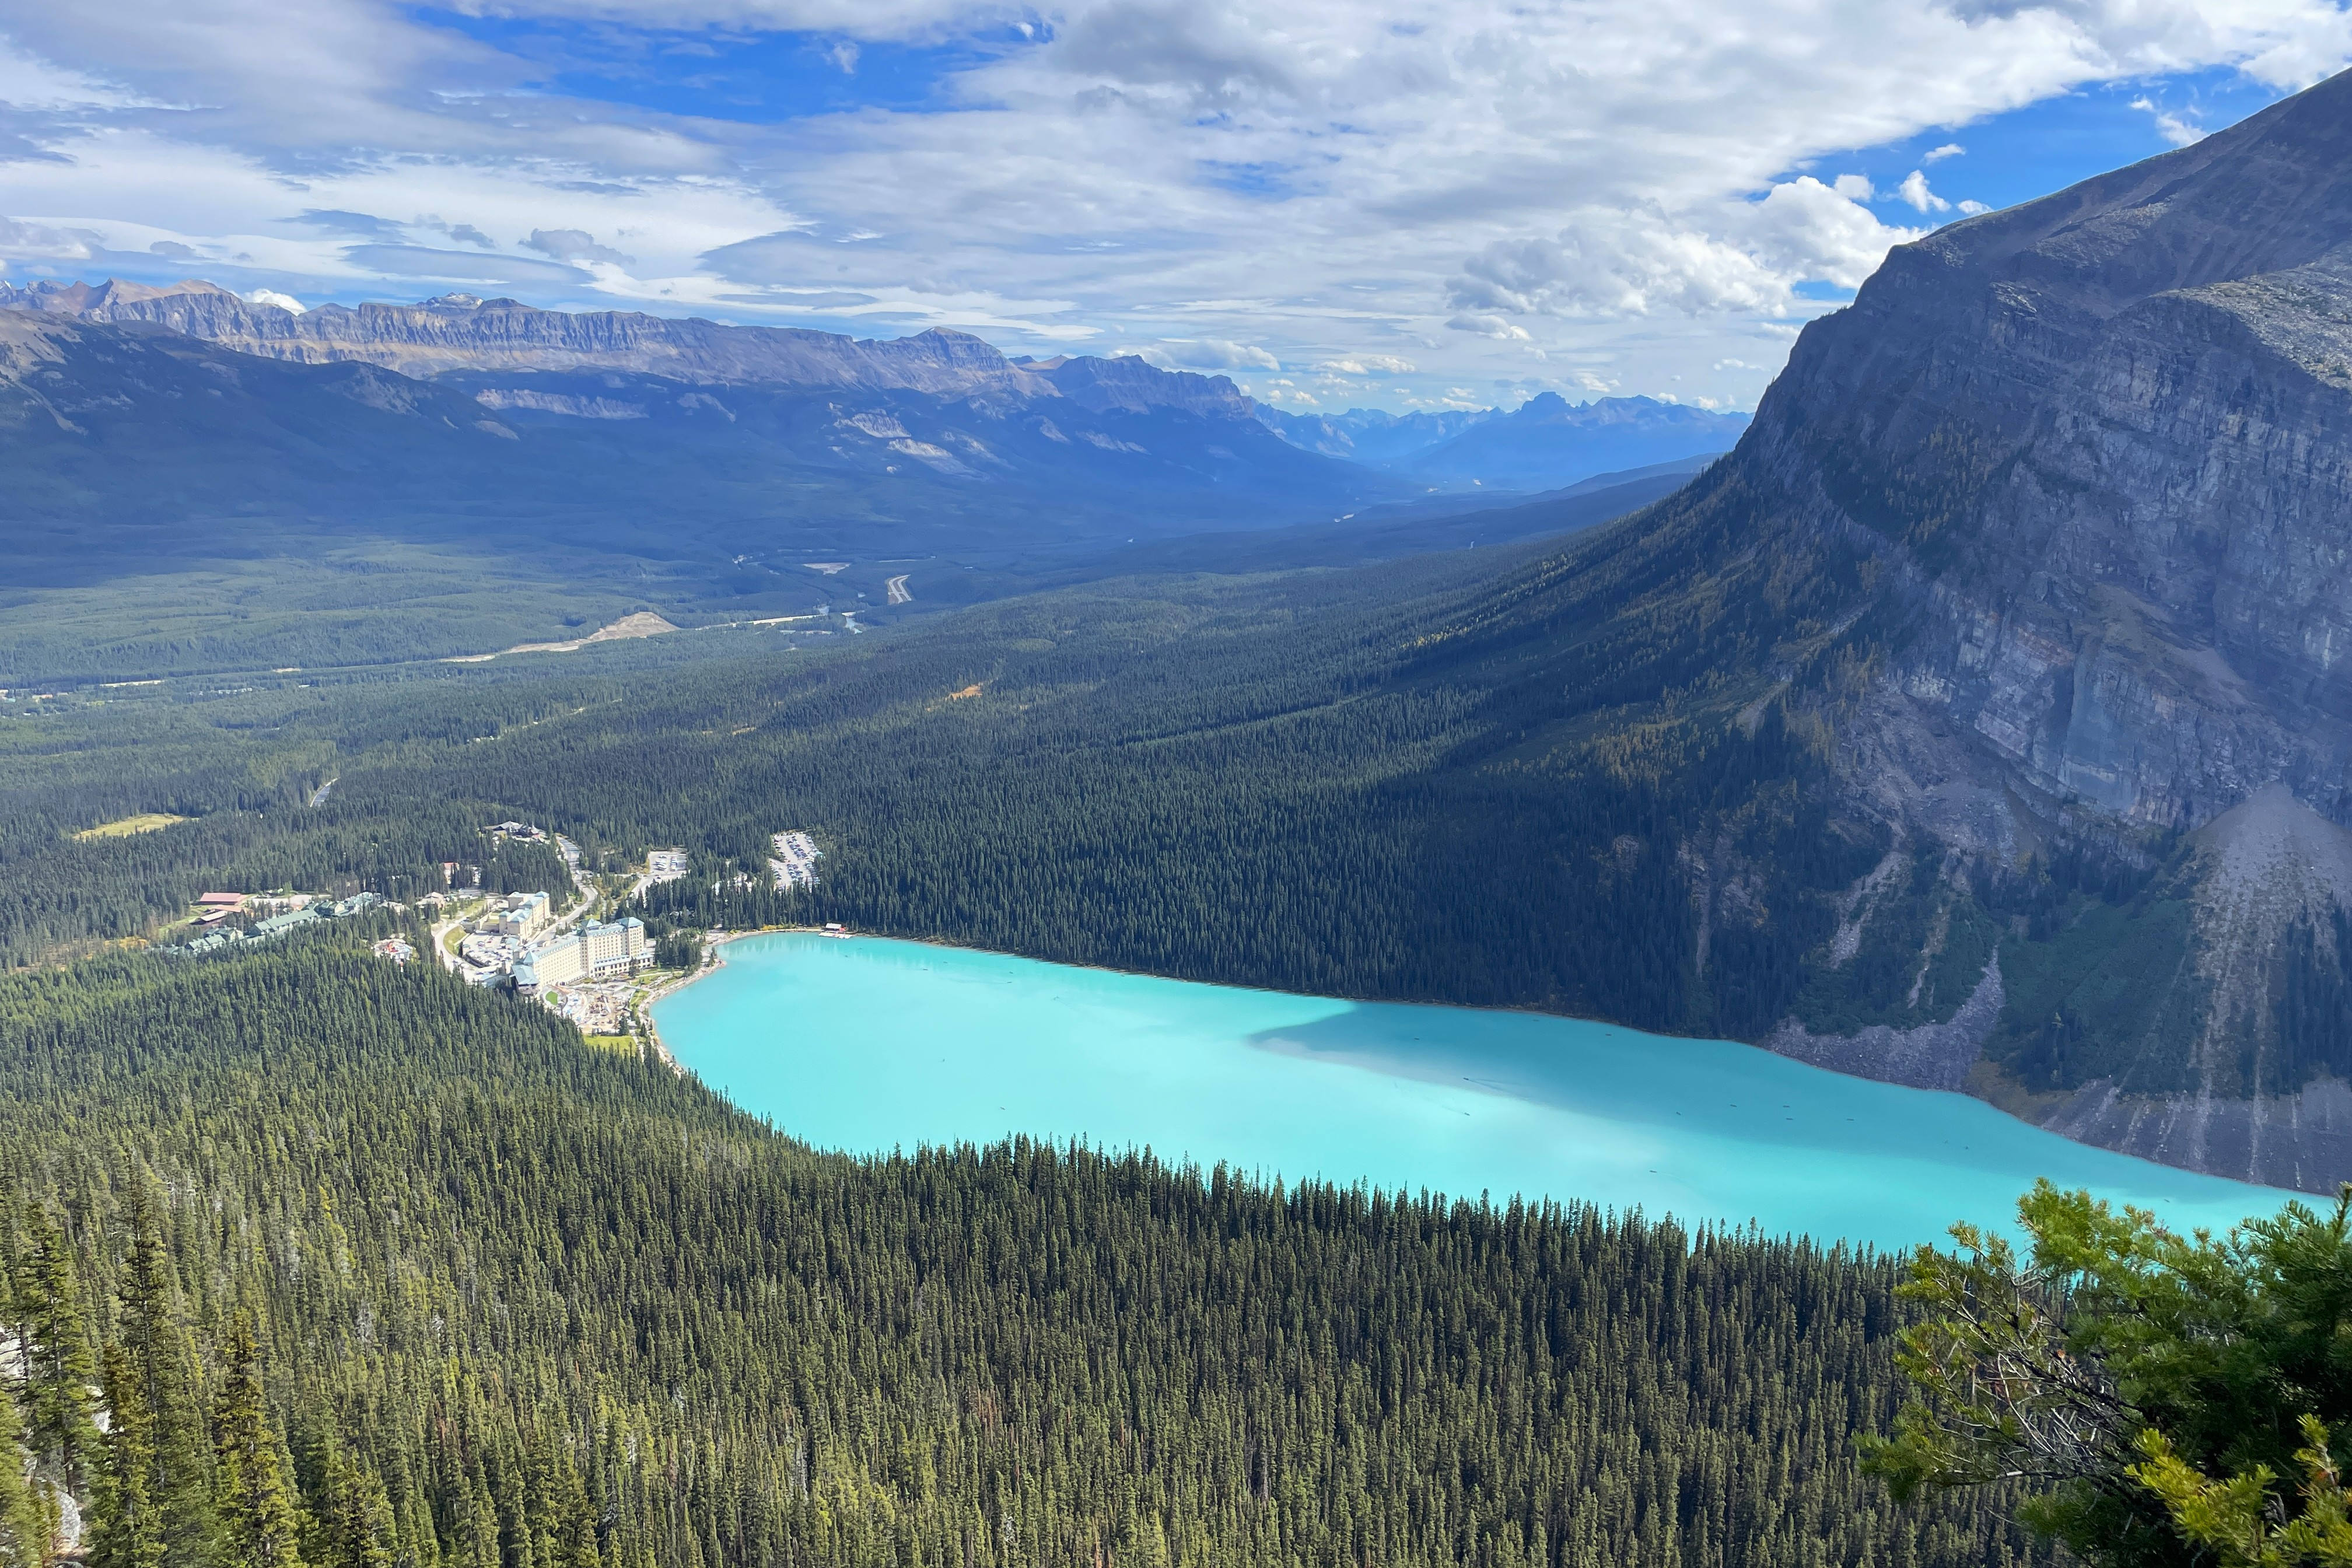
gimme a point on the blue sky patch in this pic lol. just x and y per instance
(753, 77)
(2049, 145)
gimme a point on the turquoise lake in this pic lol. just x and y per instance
(868, 1044)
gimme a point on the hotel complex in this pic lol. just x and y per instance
(595, 952)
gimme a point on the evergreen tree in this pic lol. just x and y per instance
(27, 1518)
(260, 1521)
(59, 1370)
(162, 1378)
(354, 1526)
(127, 1527)
(2177, 1398)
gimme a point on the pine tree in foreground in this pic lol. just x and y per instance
(27, 1518)
(260, 1518)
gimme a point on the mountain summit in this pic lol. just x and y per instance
(2044, 538)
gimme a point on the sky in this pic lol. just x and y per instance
(1394, 204)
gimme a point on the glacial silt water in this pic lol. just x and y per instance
(868, 1044)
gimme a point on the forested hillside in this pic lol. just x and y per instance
(516, 1304)
(1331, 781)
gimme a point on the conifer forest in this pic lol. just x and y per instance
(313, 1259)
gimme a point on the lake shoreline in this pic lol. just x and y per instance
(960, 1045)
(948, 944)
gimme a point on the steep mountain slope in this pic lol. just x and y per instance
(149, 428)
(2043, 539)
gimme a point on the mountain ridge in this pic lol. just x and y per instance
(141, 432)
(1545, 443)
(496, 344)
(464, 332)
(2040, 539)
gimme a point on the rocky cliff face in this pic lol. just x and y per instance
(461, 333)
(2093, 457)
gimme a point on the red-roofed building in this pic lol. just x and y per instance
(222, 901)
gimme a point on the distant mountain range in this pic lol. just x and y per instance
(461, 334)
(185, 432)
(1543, 443)
(631, 435)
(1011, 419)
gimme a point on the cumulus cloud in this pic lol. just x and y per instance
(574, 244)
(1368, 365)
(1473, 182)
(22, 241)
(272, 297)
(463, 233)
(1207, 354)
(2178, 130)
(1913, 190)
(1735, 256)
(1488, 327)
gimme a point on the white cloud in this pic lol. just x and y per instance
(272, 297)
(30, 84)
(1913, 190)
(21, 241)
(570, 244)
(1368, 365)
(1488, 327)
(1456, 186)
(1741, 257)
(1937, 154)
(1207, 354)
(2178, 130)
(1970, 208)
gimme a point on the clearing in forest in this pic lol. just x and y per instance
(124, 827)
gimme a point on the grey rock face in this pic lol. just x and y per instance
(2097, 451)
(2108, 437)
(1931, 1056)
